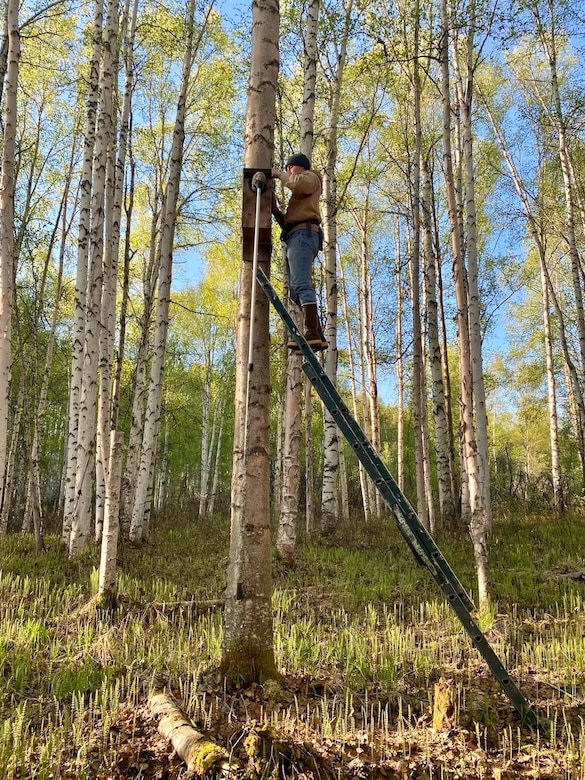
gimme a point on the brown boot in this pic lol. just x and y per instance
(313, 328)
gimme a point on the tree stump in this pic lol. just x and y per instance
(443, 706)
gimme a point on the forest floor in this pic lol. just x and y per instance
(364, 642)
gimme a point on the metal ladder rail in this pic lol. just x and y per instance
(419, 540)
(421, 543)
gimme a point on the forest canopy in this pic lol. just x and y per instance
(446, 115)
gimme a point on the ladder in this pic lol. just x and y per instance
(417, 537)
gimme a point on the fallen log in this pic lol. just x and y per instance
(199, 752)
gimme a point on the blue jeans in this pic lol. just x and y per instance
(302, 248)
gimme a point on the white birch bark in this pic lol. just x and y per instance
(399, 363)
(161, 472)
(343, 485)
(465, 87)
(447, 503)
(418, 378)
(81, 280)
(206, 432)
(211, 454)
(140, 376)
(286, 538)
(539, 240)
(112, 215)
(309, 463)
(215, 481)
(470, 459)
(546, 30)
(124, 146)
(329, 493)
(354, 393)
(7, 190)
(11, 458)
(87, 431)
(109, 549)
(370, 382)
(142, 497)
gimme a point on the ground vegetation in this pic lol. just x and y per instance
(366, 648)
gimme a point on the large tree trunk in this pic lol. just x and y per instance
(248, 650)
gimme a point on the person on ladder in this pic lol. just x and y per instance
(302, 234)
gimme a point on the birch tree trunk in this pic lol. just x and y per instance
(124, 147)
(418, 378)
(354, 392)
(539, 240)
(109, 550)
(144, 486)
(447, 502)
(370, 383)
(399, 363)
(81, 280)
(286, 538)
(85, 476)
(248, 650)
(329, 493)
(548, 37)
(140, 394)
(206, 431)
(33, 504)
(470, 458)
(112, 215)
(465, 87)
(11, 457)
(309, 463)
(220, 419)
(7, 190)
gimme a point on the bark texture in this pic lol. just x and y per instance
(248, 652)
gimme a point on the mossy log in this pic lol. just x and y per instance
(199, 752)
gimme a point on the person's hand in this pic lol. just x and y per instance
(276, 173)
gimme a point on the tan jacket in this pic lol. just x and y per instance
(304, 201)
